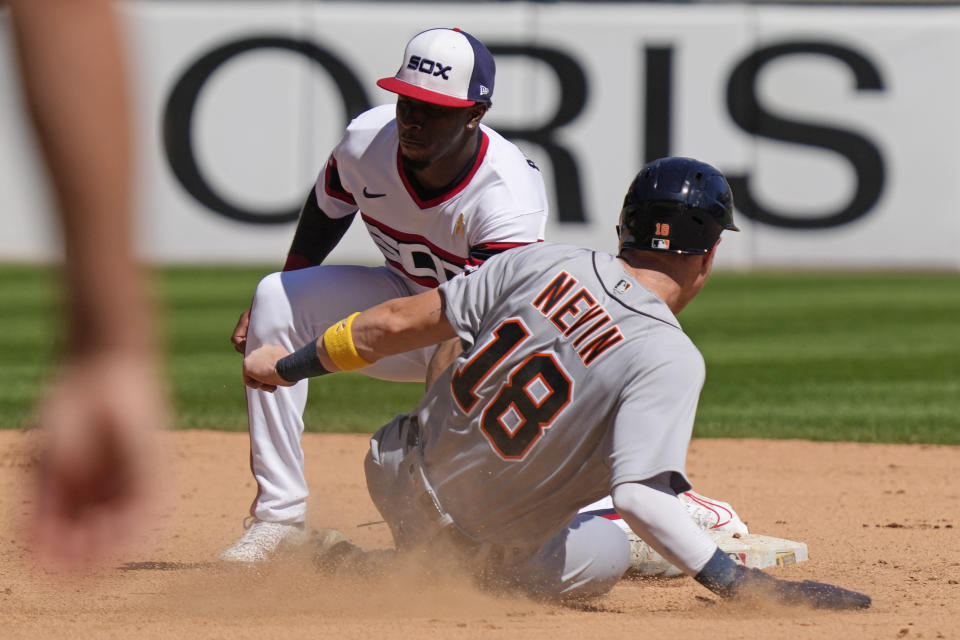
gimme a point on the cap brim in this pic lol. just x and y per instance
(419, 93)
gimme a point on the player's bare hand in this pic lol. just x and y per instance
(260, 368)
(239, 337)
(95, 480)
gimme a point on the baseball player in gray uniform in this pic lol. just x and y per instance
(576, 381)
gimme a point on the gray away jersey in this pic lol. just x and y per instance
(574, 379)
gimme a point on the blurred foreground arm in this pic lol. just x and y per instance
(97, 420)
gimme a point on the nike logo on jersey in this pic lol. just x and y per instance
(367, 194)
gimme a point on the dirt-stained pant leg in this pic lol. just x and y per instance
(292, 308)
(585, 559)
(396, 487)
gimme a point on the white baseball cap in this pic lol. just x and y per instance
(448, 67)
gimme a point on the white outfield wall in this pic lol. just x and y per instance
(838, 126)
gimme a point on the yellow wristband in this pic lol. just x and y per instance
(338, 341)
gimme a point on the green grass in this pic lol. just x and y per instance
(854, 357)
(199, 308)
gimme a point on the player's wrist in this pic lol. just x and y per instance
(302, 363)
(721, 575)
(339, 345)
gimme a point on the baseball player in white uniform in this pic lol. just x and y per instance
(438, 191)
(576, 381)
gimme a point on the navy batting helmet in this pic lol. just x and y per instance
(678, 205)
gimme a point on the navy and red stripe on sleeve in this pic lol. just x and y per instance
(332, 184)
(483, 252)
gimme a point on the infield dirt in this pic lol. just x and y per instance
(881, 519)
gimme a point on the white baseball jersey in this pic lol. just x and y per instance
(497, 203)
(574, 379)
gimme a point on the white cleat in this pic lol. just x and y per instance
(263, 539)
(644, 561)
(713, 516)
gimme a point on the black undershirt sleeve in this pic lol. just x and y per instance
(316, 236)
